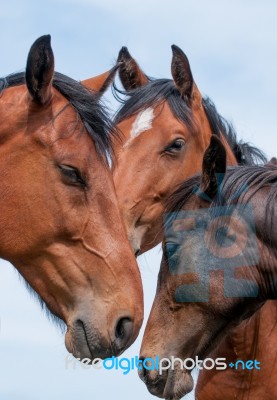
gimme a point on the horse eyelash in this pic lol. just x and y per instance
(68, 171)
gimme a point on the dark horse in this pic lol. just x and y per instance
(219, 264)
(60, 222)
(166, 127)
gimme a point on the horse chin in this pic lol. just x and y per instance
(178, 384)
(171, 385)
(155, 383)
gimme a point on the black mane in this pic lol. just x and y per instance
(245, 153)
(243, 181)
(158, 91)
(86, 102)
(155, 92)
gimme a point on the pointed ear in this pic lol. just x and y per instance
(40, 69)
(213, 167)
(101, 82)
(183, 78)
(130, 74)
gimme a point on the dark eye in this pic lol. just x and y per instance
(171, 249)
(175, 146)
(172, 256)
(73, 175)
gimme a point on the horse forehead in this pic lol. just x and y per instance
(19, 112)
(13, 99)
(13, 111)
(143, 122)
(158, 117)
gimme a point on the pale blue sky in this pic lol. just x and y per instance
(232, 47)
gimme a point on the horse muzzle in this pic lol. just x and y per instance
(83, 341)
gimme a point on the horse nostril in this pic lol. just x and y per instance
(123, 332)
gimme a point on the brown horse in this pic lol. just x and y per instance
(166, 126)
(216, 270)
(60, 222)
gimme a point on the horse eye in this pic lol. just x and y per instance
(172, 256)
(171, 249)
(72, 175)
(176, 146)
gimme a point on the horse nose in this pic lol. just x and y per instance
(145, 373)
(123, 332)
(154, 381)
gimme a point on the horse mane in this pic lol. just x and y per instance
(155, 92)
(158, 91)
(239, 182)
(245, 153)
(86, 103)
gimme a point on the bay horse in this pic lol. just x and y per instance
(60, 222)
(166, 125)
(237, 272)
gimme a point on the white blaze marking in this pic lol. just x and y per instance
(143, 122)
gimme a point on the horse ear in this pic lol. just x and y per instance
(40, 69)
(130, 73)
(101, 82)
(213, 167)
(182, 76)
